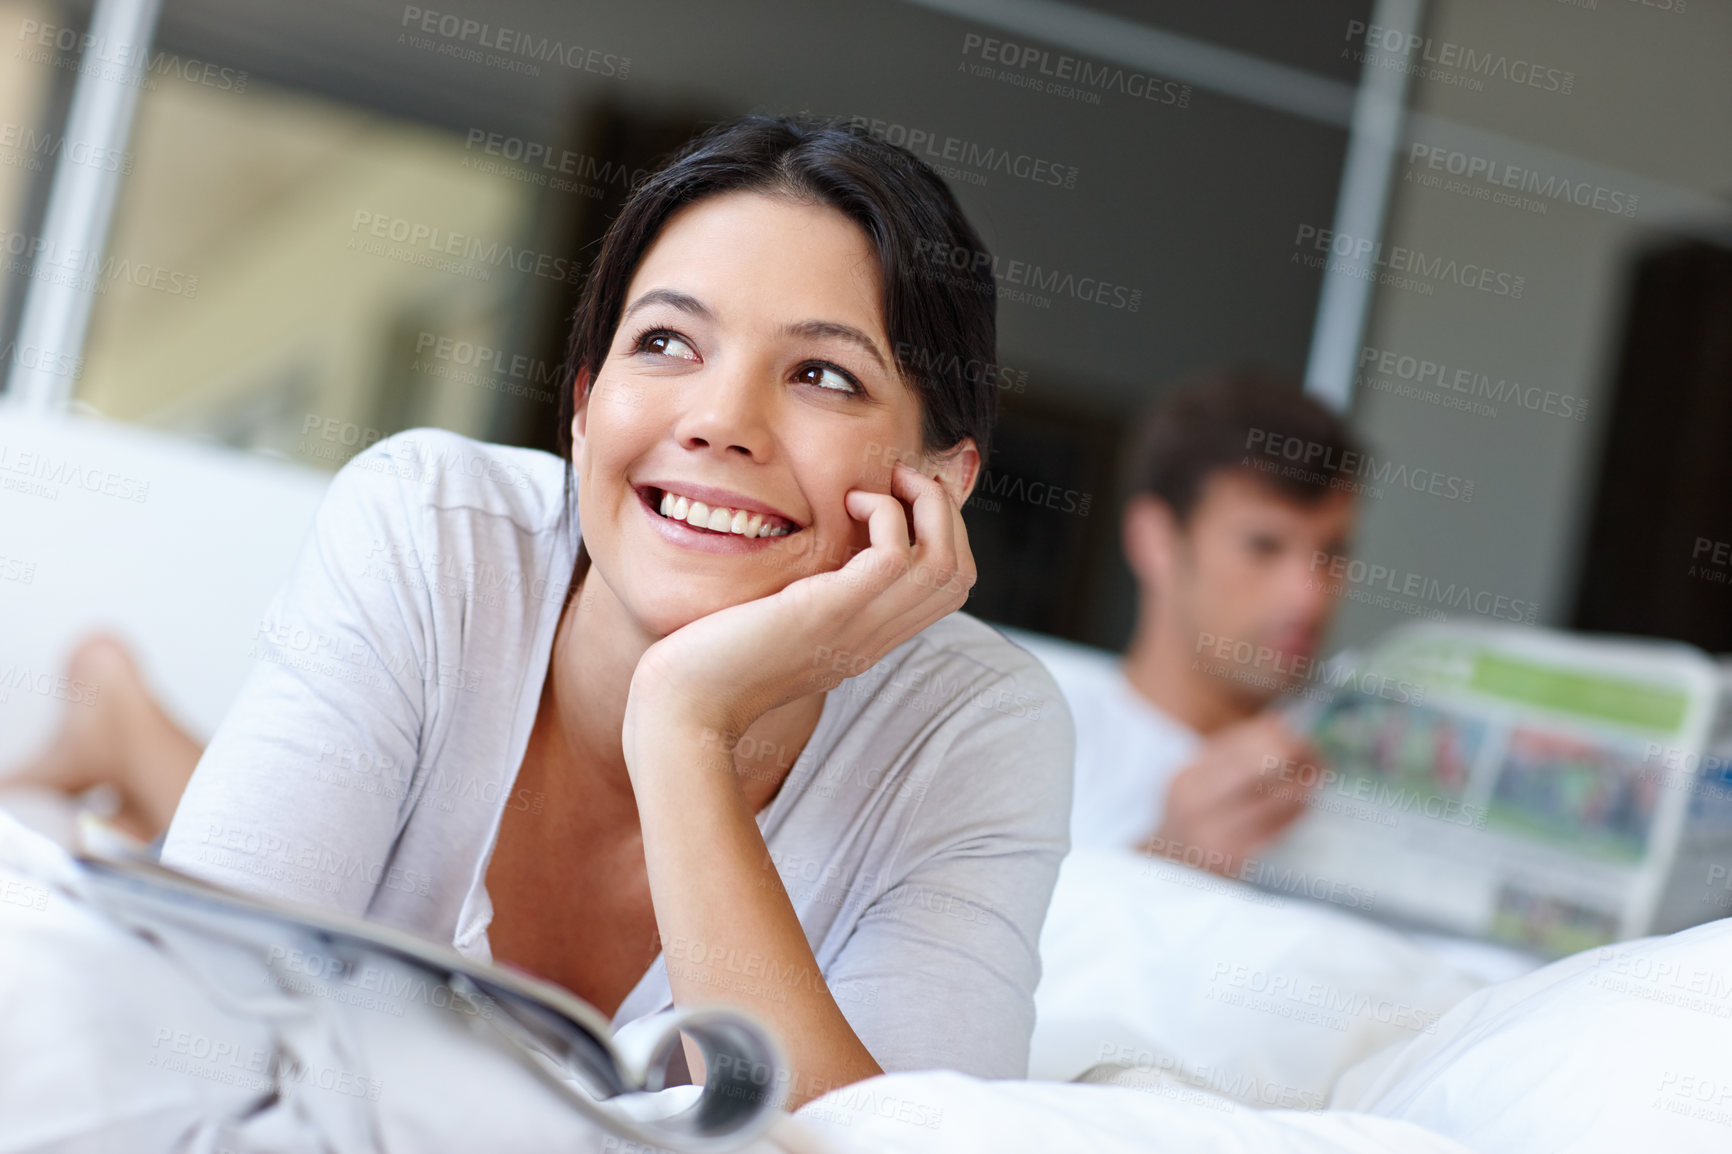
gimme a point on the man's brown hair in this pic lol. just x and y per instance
(1249, 420)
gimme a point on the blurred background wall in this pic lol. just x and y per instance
(342, 218)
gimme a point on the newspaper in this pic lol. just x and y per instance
(1546, 790)
(561, 1039)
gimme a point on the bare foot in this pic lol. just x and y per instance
(117, 734)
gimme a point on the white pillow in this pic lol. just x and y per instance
(944, 1113)
(1260, 997)
(1618, 1049)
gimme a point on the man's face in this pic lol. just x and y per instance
(1245, 568)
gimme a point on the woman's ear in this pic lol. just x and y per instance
(580, 411)
(956, 468)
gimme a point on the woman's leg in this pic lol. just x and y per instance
(124, 739)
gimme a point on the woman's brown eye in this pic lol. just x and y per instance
(837, 382)
(668, 345)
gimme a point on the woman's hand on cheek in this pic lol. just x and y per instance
(724, 671)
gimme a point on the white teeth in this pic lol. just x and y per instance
(719, 519)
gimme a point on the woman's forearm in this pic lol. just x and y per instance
(729, 933)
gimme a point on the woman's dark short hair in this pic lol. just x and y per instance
(1245, 420)
(941, 319)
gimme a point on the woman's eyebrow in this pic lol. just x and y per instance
(685, 302)
(836, 329)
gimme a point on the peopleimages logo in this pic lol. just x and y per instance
(41, 474)
(1452, 63)
(1016, 277)
(1369, 582)
(1373, 260)
(557, 169)
(950, 155)
(87, 53)
(428, 244)
(1071, 76)
(927, 364)
(45, 684)
(1484, 179)
(17, 569)
(1042, 494)
(29, 147)
(32, 356)
(85, 269)
(459, 32)
(474, 364)
(1314, 678)
(1330, 463)
(1436, 377)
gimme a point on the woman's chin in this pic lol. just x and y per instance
(663, 615)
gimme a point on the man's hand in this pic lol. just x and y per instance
(1226, 804)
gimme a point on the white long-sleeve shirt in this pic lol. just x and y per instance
(371, 753)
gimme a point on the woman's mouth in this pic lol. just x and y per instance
(721, 520)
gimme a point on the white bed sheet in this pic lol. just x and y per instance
(1616, 1050)
(1263, 998)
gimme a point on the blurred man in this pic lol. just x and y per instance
(1240, 492)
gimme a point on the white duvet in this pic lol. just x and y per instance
(1624, 1050)
(1207, 1019)
(1163, 969)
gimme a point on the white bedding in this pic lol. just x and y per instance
(953, 1114)
(1154, 966)
(109, 1044)
(1617, 1050)
(1621, 1050)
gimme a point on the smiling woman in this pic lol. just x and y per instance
(740, 746)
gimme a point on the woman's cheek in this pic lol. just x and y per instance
(621, 402)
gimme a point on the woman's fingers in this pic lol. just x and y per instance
(941, 542)
(934, 521)
(887, 529)
(909, 584)
(940, 568)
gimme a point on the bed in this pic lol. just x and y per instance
(1217, 1021)
(1358, 1040)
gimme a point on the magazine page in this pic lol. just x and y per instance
(363, 966)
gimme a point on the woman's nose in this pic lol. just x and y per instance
(730, 411)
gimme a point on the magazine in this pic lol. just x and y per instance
(561, 1039)
(1546, 790)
